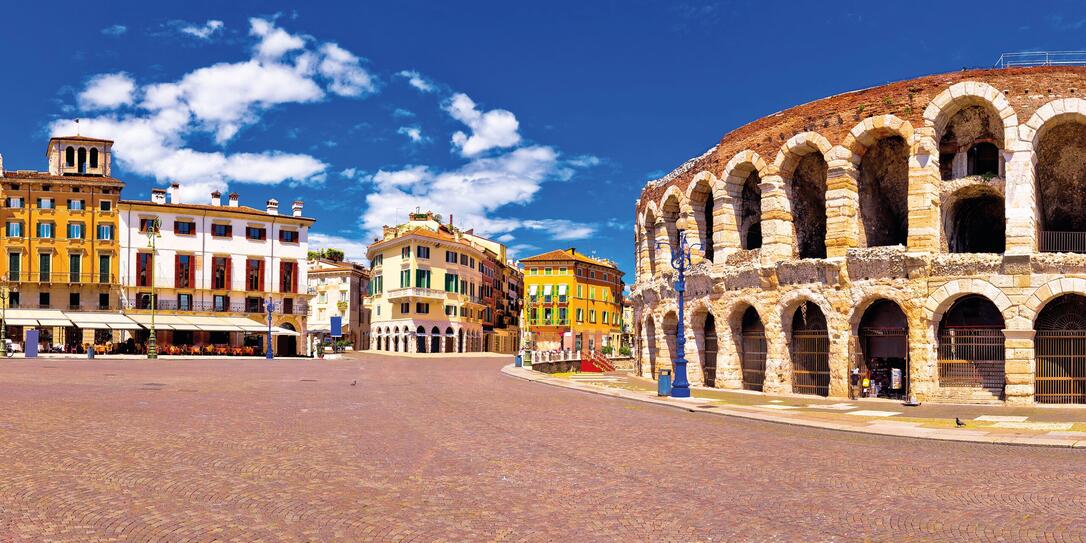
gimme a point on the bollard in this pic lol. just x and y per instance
(663, 383)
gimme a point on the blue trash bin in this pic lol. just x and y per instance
(663, 383)
(518, 362)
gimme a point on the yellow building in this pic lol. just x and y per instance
(572, 301)
(60, 234)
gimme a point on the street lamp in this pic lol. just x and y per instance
(680, 259)
(5, 297)
(269, 306)
(152, 235)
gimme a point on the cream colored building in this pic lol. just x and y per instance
(338, 290)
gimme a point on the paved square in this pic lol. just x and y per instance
(452, 450)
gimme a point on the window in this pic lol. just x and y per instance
(254, 274)
(46, 203)
(148, 225)
(533, 271)
(451, 281)
(69, 157)
(323, 298)
(73, 300)
(604, 317)
(592, 316)
(423, 252)
(46, 230)
(94, 158)
(253, 304)
(405, 278)
(75, 267)
(76, 230)
(103, 300)
(220, 272)
(580, 291)
(222, 230)
(405, 308)
(45, 267)
(255, 233)
(450, 257)
(43, 299)
(13, 299)
(463, 260)
(288, 277)
(105, 205)
(422, 308)
(15, 229)
(103, 269)
(288, 236)
(591, 293)
(184, 228)
(405, 252)
(105, 231)
(422, 278)
(580, 315)
(143, 269)
(547, 271)
(378, 284)
(561, 271)
(548, 315)
(76, 205)
(184, 272)
(463, 287)
(184, 302)
(15, 203)
(561, 315)
(592, 274)
(288, 305)
(450, 311)
(464, 311)
(471, 263)
(220, 302)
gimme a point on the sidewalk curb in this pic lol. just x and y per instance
(937, 435)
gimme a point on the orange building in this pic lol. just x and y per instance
(572, 301)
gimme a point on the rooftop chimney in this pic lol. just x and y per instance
(273, 207)
(158, 196)
(172, 194)
(216, 198)
(296, 208)
(233, 199)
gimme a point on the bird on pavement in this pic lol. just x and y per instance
(958, 422)
(355, 382)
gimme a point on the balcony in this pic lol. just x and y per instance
(60, 278)
(299, 308)
(415, 293)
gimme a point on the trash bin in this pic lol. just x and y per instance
(663, 383)
(90, 352)
(518, 361)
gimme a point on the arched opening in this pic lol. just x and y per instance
(671, 328)
(1060, 351)
(701, 199)
(970, 143)
(650, 339)
(396, 341)
(971, 346)
(69, 157)
(749, 216)
(707, 345)
(450, 340)
(649, 233)
(810, 351)
(976, 224)
(670, 212)
(287, 345)
(388, 340)
(82, 160)
(807, 194)
(1061, 188)
(753, 350)
(435, 340)
(94, 158)
(460, 344)
(884, 193)
(420, 340)
(884, 333)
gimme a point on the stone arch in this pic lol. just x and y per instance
(743, 176)
(803, 166)
(706, 347)
(963, 94)
(747, 345)
(1043, 119)
(972, 99)
(669, 321)
(703, 196)
(939, 301)
(673, 206)
(651, 343)
(651, 236)
(1057, 135)
(878, 149)
(1047, 292)
(810, 373)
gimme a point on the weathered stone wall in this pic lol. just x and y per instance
(873, 158)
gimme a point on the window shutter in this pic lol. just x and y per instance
(229, 265)
(260, 269)
(177, 271)
(294, 268)
(192, 271)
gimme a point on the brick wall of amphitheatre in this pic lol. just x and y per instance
(927, 193)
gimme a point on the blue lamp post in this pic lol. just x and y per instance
(270, 306)
(680, 260)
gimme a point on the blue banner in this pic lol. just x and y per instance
(337, 327)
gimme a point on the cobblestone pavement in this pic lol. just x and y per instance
(453, 450)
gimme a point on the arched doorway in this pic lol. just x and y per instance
(287, 345)
(810, 351)
(1061, 185)
(671, 328)
(650, 340)
(435, 340)
(709, 349)
(971, 346)
(884, 332)
(460, 344)
(396, 340)
(420, 340)
(753, 349)
(806, 188)
(450, 340)
(388, 340)
(1060, 347)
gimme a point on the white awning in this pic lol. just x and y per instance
(532, 289)
(36, 317)
(561, 290)
(213, 324)
(547, 290)
(277, 331)
(319, 327)
(102, 321)
(163, 322)
(248, 325)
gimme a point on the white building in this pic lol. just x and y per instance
(214, 268)
(338, 289)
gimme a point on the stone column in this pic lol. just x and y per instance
(924, 180)
(662, 247)
(695, 366)
(1021, 206)
(777, 235)
(1020, 366)
(842, 203)
(725, 237)
(778, 373)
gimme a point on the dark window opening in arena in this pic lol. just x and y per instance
(808, 198)
(1061, 188)
(884, 193)
(977, 224)
(750, 213)
(983, 159)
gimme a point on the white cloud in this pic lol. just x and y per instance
(349, 173)
(416, 80)
(114, 30)
(401, 113)
(274, 41)
(413, 133)
(491, 129)
(204, 31)
(344, 69)
(353, 250)
(107, 91)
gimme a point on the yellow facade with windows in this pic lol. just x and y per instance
(572, 301)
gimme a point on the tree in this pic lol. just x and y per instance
(335, 255)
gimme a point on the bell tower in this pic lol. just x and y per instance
(79, 155)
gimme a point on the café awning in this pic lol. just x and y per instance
(101, 321)
(35, 317)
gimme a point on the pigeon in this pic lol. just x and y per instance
(958, 422)
(355, 382)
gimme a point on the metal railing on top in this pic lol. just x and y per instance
(1041, 58)
(1062, 242)
(59, 277)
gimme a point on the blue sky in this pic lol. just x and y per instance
(536, 123)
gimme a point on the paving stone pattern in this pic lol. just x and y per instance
(453, 450)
